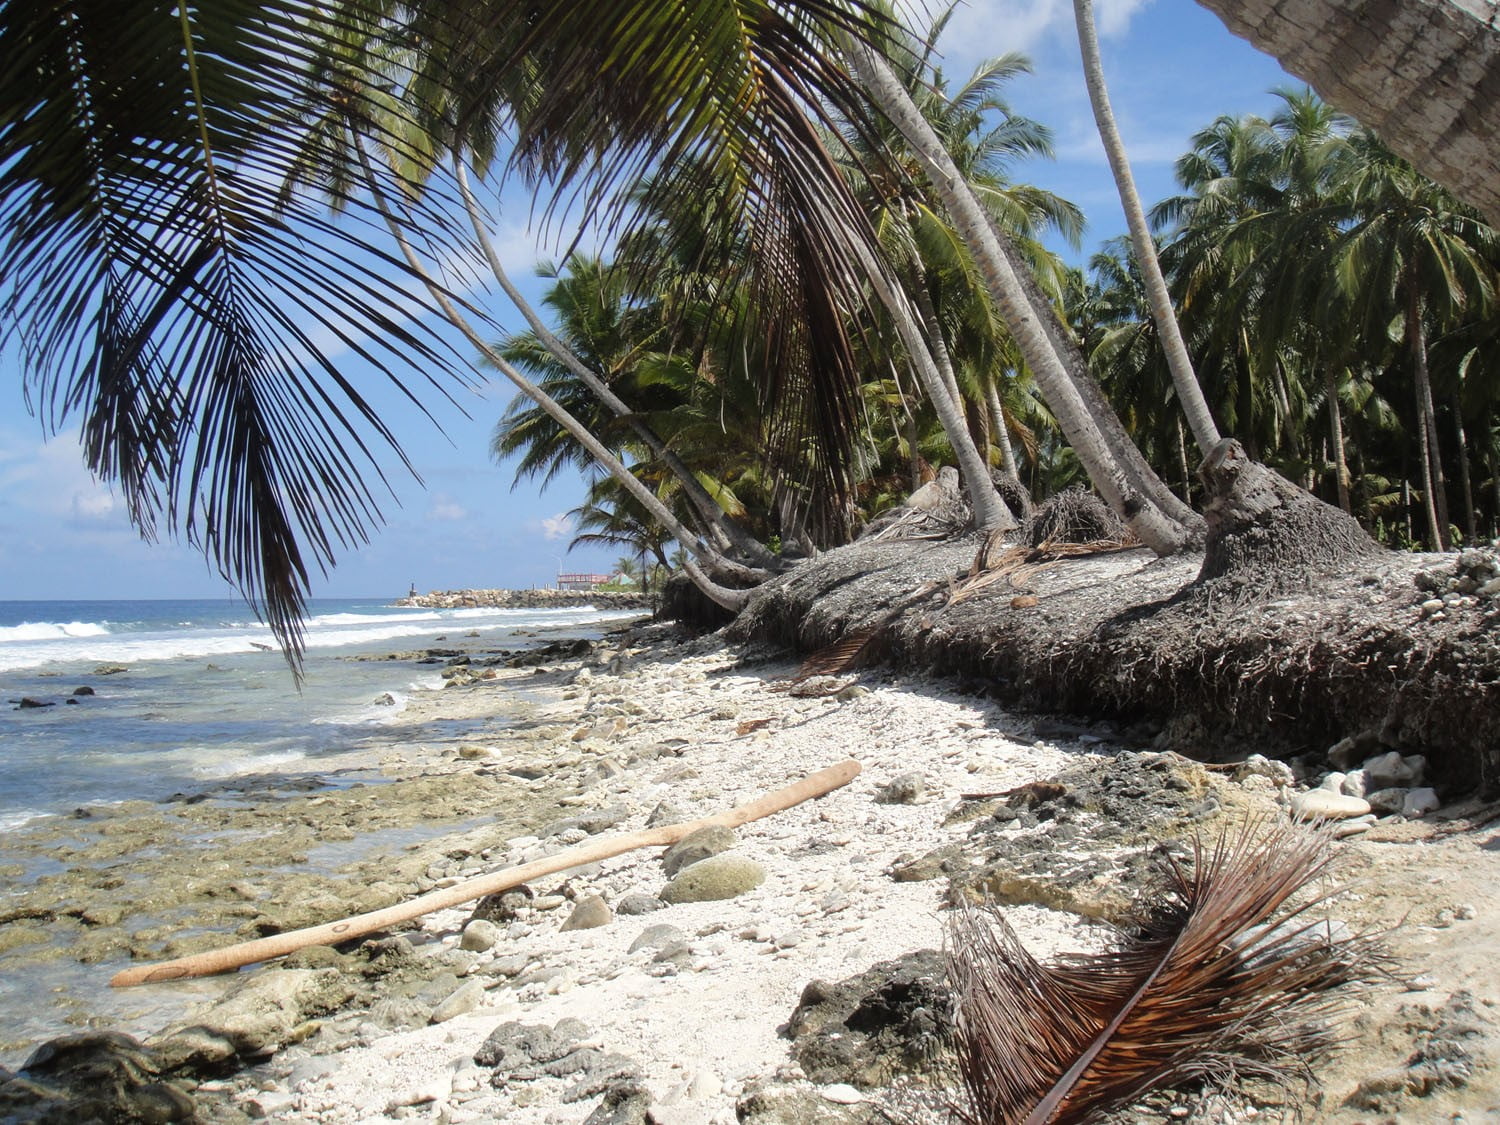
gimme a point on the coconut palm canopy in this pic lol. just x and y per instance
(169, 262)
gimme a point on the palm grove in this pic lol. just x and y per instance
(826, 278)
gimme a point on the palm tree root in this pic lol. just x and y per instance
(1211, 668)
(1267, 534)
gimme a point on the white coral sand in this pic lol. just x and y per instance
(703, 1029)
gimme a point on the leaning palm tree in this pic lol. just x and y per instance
(166, 257)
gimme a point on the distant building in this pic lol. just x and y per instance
(581, 581)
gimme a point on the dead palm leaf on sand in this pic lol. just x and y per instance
(1224, 981)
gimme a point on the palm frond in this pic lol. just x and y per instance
(1227, 977)
(159, 283)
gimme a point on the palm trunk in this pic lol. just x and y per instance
(1466, 482)
(1121, 447)
(1284, 407)
(1189, 393)
(937, 342)
(1336, 435)
(989, 510)
(1182, 463)
(575, 429)
(1432, 463)
(1002, 431)
(725, 532)
(1154, 529)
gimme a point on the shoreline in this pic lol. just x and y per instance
(849, 881)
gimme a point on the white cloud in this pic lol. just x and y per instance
(51, 479)
(446, 508)
(557, 527)
(982, 29)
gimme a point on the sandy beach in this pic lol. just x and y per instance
(589, 998)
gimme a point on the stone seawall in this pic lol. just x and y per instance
(544, 598)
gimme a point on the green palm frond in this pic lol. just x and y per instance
(160, 286)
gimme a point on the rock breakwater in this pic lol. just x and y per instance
(537, 598)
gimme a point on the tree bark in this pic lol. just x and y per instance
(1002, 430)
(1436, 500)
(1266, 534)
(1125, 452)
(1420, 73)
(1336, 435)
(1184, 380)
(1161, 534)
(1465, 480)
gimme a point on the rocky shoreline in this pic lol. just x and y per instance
(543, 597)
(773, 975)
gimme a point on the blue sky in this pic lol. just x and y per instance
(1172, 68)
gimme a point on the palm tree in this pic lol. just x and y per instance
(167, 259)
(1413, 248)
(1030, 322)
(1189, 393)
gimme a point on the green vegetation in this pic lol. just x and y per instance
(826, 280)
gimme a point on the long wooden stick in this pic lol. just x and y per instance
(331, 933)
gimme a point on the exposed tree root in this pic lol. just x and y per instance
(1266, 532)
(1199, 668)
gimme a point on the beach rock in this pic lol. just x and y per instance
(28, 702)
(110, 669)
(471, 752)
(503, 907)
(461, 1001)
(272, 1007)
(841, 1093)
(1354, 826)
(906, 789)
(666, 813)
(1356, 784)
(84, 690)
(718, 877)
(1420, 802)
(589, 823)
(695, 846)
(94, 1078)
(480, 936)
(625, 1103)
(637, 902)
(589, 914)
(774, 1103)
(1391, 770)
(656, 937)
(1333, 782)
(1258, 765)
(513, 1046)
(1320, 804)
(385, 699)
(1387, 801)
(887, 1021)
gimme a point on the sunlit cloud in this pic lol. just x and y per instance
(50, 479)
(556, 527)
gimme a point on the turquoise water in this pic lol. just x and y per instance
(202, 699)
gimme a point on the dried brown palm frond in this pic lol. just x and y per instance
(1224, 980)
(845, 653)
(1074, 515)
(841, 656)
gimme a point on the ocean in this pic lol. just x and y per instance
(206, 695)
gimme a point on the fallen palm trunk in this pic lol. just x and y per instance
(331, 933)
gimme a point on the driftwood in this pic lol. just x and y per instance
(332, 933)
